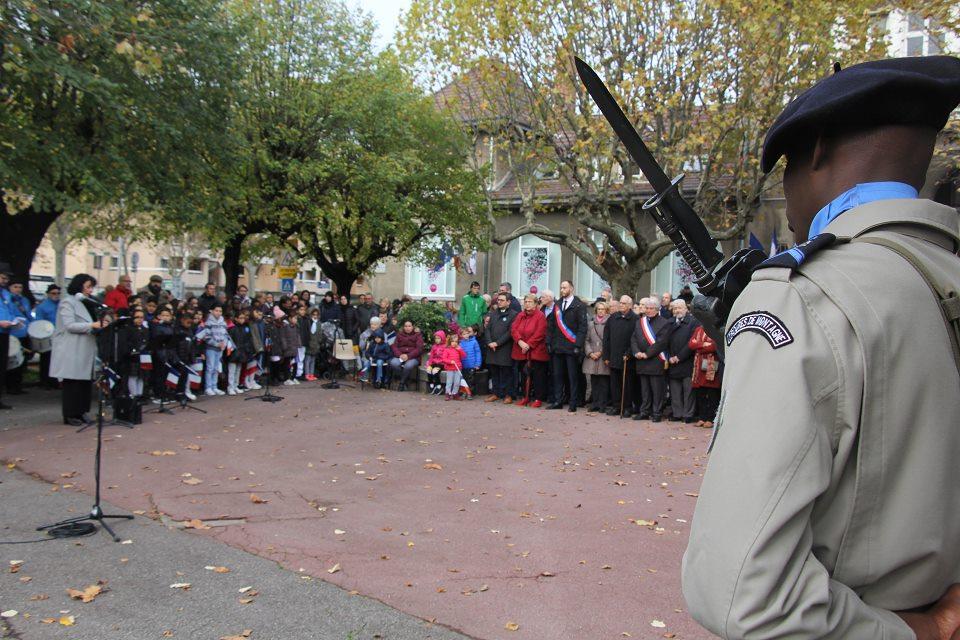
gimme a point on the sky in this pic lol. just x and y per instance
(387, 14)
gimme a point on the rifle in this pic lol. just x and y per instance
(719, 281)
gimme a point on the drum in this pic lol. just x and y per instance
(41, 335)
(15, 355)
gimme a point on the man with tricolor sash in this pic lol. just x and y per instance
(566, 333)
(649, 344)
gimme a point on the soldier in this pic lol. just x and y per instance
(829, 507)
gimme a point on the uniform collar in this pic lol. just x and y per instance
(860, 194)
(933, 221)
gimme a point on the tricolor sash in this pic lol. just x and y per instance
(562, 326)
(649, 334)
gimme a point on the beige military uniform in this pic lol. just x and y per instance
(832, 496)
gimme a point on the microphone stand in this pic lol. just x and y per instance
(182, 397)
(266, 396)
(96, 513)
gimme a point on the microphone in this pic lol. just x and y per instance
(82, 298)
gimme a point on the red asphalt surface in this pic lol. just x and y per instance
(476, 516)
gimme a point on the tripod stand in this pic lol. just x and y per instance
(185, 370)
(96, 513)
(266, 396)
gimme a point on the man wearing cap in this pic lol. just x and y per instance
(829, 505)
(47, 310)
(154, 289)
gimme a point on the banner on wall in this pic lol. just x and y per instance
(534, 269)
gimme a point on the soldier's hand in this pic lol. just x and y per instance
(940, 622)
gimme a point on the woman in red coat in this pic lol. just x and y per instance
(529, 331)
(707, 375)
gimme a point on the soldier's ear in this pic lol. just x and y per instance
(821, 152)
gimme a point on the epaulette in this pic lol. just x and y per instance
(795, 256)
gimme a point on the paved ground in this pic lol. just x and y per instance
(477, 516)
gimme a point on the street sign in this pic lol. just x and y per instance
(285, 273)
(134, 261)
(286, 285)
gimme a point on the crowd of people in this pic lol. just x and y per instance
(647, 359)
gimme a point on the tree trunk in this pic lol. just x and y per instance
(628, 283)
(343, 281)
(231, 264)
(20, 237)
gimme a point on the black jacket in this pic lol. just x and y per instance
(243, 341)
(499, 331)
(205, 303)
(348, 313)
(330, 311)
(652, 365)
(185, 345)
(575, 318)
(162, 345)
(678, 347)
(616, 338)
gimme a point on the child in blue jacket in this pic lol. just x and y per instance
(378, 353)
(474, 359)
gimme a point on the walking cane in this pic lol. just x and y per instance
(623, 385)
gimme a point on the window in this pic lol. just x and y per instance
(164, 263)
(531, 265)
(195, 265)
(915, 46)
(426, 280)
(114, 262)
(919, 36)
(97, 262)
(380, 267)
(670, 275)
(308, 275)
(588, 282)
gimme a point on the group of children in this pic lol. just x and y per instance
(170, 358)
(454, 356)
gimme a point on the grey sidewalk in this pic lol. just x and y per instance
(138, 601)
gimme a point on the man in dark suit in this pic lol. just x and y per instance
(680, 373)
(617, 356)
(566, 333)
(651, 338)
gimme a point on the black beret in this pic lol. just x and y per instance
(906, 91)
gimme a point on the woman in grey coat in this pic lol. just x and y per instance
(75, 348)
(593, 364)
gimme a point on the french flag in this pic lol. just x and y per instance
(146, 362)
(173, 378)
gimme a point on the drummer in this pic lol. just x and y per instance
(19, 306)
(7, 322)
(47, 310)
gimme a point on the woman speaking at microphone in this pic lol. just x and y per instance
(75, 348)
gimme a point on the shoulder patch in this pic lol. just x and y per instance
(793, 257)
(764, 323)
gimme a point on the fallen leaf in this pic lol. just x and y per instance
(68, 474)
(511, 626)
(163, 453)
(434, 466)
(334, 568)
(692, 494)
(87, 595)
(244, 589)
(9, 613)
(192, 481)
(645, 523)
(483, 587)
(255, 499)
(659, 624)
(339, 532)
(48, 620)
(620, 483)
(68, 621)
(180, 585)
(547, 574)
(193, 447)
(196, 523)
(40, 596)
(241, 636)
(217, 569)
(246, 600)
